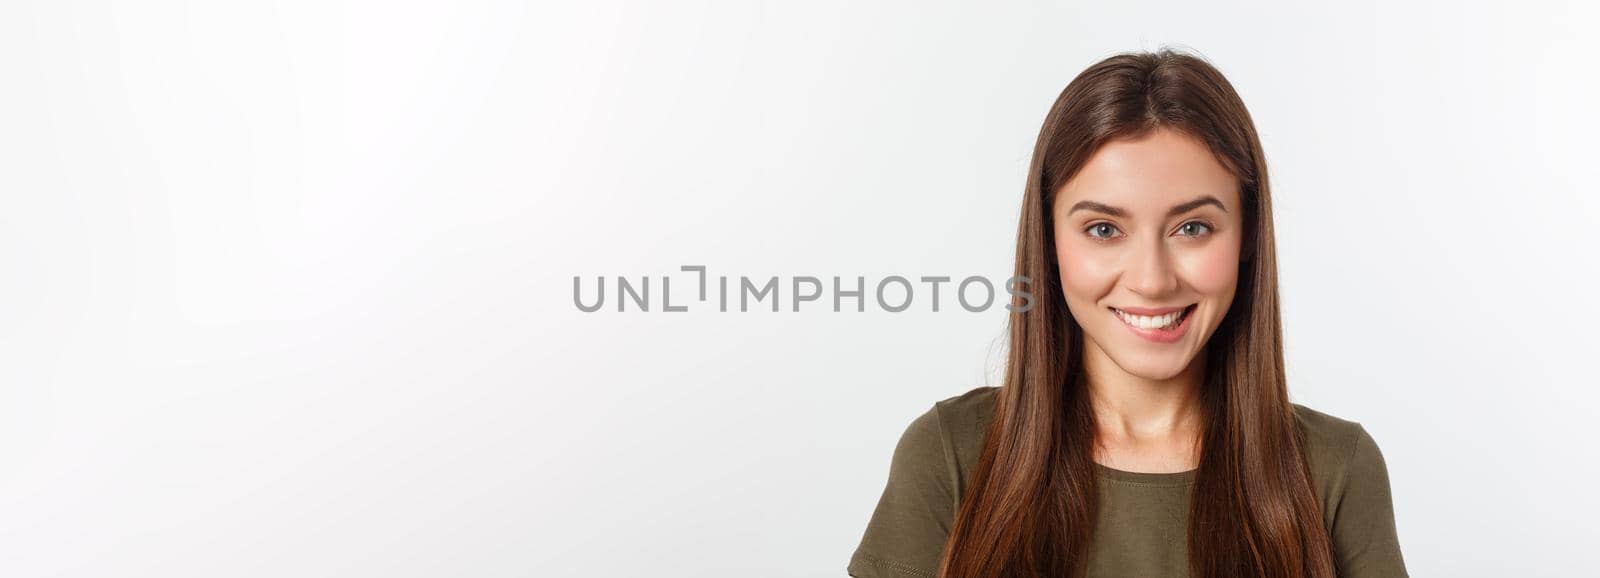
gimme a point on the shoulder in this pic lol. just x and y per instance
(962, 422)
(957, 422)
(976, 404)
(942, 444)
(1341, 454)
(1329, 440)
(1325, 432)
(1352, 483)
(917, 508)
(937, 451)
(966, 416)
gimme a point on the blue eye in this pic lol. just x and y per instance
(1097, 227)
(1107, 231)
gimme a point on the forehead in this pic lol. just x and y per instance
(1151, 173)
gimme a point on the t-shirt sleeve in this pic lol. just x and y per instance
(1364, 537)
(906, 534)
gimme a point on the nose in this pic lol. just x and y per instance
(1151, 272)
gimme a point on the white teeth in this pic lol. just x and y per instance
(1144, 322)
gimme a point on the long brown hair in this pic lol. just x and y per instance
(1030, 508)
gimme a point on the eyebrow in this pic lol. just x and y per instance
(1175, 211)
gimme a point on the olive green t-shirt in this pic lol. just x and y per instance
(1143, 517)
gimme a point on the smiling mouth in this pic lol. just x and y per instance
(1155, 322)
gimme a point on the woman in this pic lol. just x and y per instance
(1144, 427)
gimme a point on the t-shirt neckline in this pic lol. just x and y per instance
(1170, 479)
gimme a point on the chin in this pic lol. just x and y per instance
(1156, 371)
(1144, 365)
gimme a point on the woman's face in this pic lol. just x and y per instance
(1149, 224)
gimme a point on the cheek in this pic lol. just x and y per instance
(1214, 269)
(1086, 276)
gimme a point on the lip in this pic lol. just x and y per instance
(1158, 335)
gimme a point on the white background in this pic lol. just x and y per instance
(287, 286)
